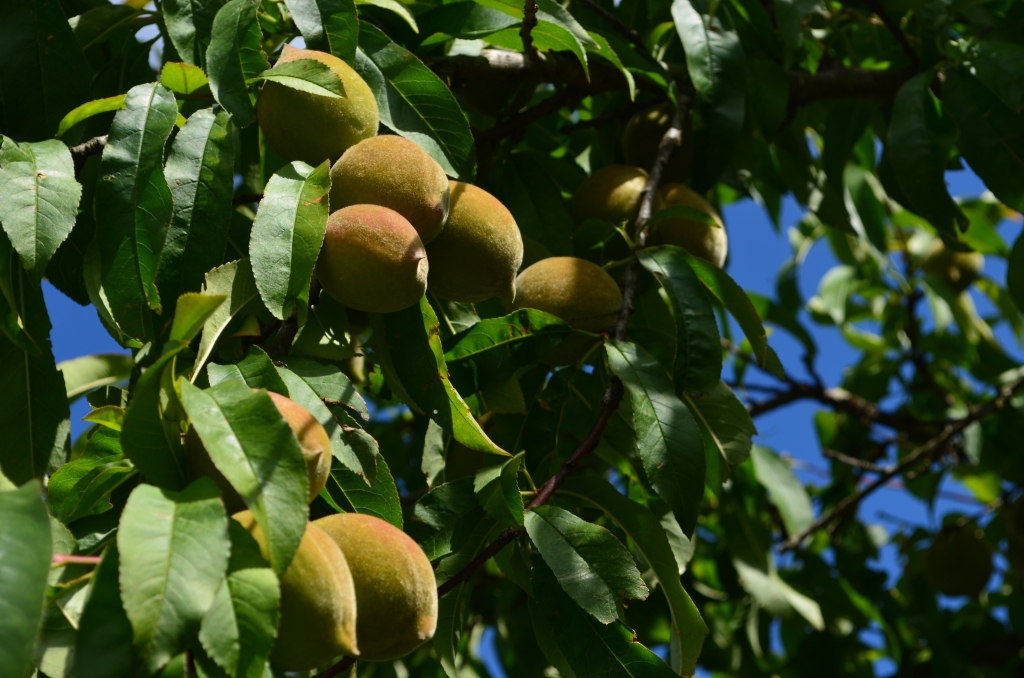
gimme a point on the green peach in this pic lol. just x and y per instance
(612, 193)
(704, 240)
(577, 291)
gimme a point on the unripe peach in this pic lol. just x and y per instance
(372, 260)
(577, 291)
(612, 193)
(959, 269)
(393, 172)
(312, 128)
(705, 240)
(396, 594)
(318, 601)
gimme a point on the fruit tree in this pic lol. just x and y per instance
(434, 361)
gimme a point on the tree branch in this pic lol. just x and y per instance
(562, 68)
(612, 396)
(529, 22)
(87, 149)
(921, 453)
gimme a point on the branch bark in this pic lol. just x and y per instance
(87, 149)
(560, 68)
(529, 22)
(922, 453)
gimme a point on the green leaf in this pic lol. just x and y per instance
(1015, 273)
(736, 301)
(174, 553)
(546, 37)
(89, 372)
(603, 49)
(326, 333)
(750, 546)
(133, 204)
(199, 171)
(351, 493)
(991, 135)
(497, 491)
(108, 416)
(651, 540)
(415, 369)
(768, 91)
(415, 103)
(716, 64)
(34, 414)
(787, 492)
(103, 646)
(234, 279)
(397, 8)
(189, 25)
(12, 308)
(239, 628)
(536, 203)
(492, 350)
(82, 487)
(45, 74)
(182, 78)
(592, 566)
(40, 199)
(26, 548)
(151, 439)
(725, 422)
(89, 109)
(1000, 65)
(330, 383)
(328, 26)
(698, 351)
(466, 20)
(191, 313)
(306, 75)
(255, 449)
(444, 518)
(591, 648)
(919, 141)
(667, 437)
(235, 57)
(287, 234)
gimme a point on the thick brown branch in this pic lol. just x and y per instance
(87, 149)
(563, 68)
(921, 453)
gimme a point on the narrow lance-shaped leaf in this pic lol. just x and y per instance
(589, 562)
(189, 25)
(84, 374)
(918, 145)
(991, 135)
(34, 413)
(546, 36)
(174, 552)
(650, 537)
(415, 103)
(191, 313)
(350, 492)
(785, 489)
(82, 487)
(199, 171)
(306, 75)
(238, 630)
(89, 109)
(698, 361)
(328, 25)
(24, 566)
(255, 449)
(498, 492)
(287, 235)
(667, 437)
(235, 57)
(103, 644)
(415, 369)
(45, 74)
(133, 205)
(40, 199)
(591, 648)
(444, 517)
(234, 279)
(724, 421)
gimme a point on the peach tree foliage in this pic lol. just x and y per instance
(136, 191)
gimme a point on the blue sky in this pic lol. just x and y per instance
(756, 252)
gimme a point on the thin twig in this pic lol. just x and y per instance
(853, 461)
(878, 9)
(921, 453)
(62, 559)
(529, 23)
(612, 396)
(617, 23)
(87, 149)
